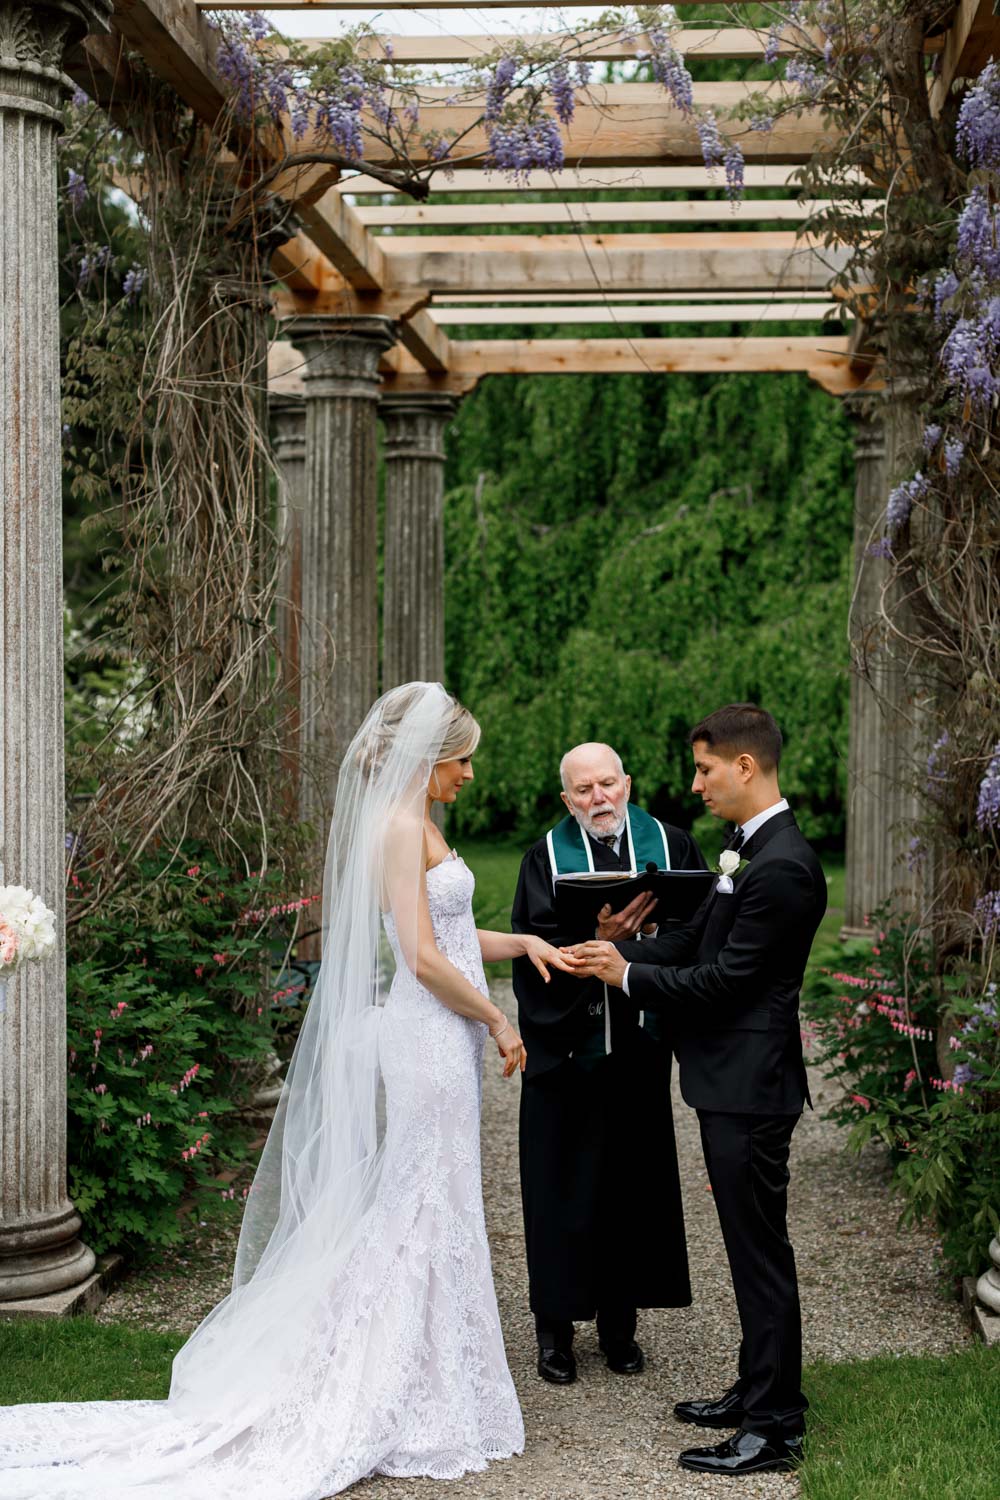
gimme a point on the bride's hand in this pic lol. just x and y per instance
(542, 954)
(511, 1049)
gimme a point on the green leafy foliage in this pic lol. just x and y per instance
(624, 555)
(170, 1027)
(888, 1024)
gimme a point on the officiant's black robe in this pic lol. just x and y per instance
(604, 1228)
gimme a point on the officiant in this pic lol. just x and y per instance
(603, 1224)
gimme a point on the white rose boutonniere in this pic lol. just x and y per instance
(730, 864)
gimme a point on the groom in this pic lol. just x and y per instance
(728, 982)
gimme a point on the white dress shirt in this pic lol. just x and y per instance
(749, 828)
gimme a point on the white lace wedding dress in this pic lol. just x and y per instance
(403, 1370)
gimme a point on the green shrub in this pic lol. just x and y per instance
(171, 1022)
(917, 1054)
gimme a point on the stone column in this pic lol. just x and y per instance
(39, 1249)
(339, 638)
(288, 439)
(413, 590)
(885, 746)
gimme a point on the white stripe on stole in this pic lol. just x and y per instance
(552, 856)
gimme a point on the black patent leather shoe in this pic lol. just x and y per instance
(725, 1411)
(744, 1453)
(625, 1359)
(557, 1366)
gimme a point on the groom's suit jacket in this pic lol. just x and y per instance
(729, 979)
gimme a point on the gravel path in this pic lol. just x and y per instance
(866, 1289)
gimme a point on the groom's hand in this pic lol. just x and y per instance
(599, 961)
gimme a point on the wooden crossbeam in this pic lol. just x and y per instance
(447, 299)
(738, 312)
(825, 360)
(426, 341)
(645, 130)
(585, 178)
(972, 39)
(637, 263)
(692, 211)
(729, 42)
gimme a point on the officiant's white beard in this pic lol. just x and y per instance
(601, 828)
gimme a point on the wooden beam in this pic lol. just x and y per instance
(422, 336)
(696, 356)
(628, 123)
(587, 177)
(412, 5)
(729, 42)
(444, 299)
(336, 231)
(720, 262)
(722, 312)
(690, 211)
(972, 39)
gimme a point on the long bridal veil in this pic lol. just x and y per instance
(236, 1425)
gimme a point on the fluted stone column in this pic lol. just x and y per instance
(339, 640)
(40, 1252)
(886, 745)
(413, 593)
(288, 439)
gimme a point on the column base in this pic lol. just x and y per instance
(84, 1298)
(42, 1255)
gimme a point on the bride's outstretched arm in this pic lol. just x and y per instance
(496, 946)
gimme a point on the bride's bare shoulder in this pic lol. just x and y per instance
(405, 827)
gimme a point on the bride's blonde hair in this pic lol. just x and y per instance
(461, 733)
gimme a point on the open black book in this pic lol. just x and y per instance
(679, 893)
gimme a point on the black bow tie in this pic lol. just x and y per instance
(735, 840)
(609, 839)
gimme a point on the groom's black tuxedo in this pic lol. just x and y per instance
(732, 989)
(729, 983)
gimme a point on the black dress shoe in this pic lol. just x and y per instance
(744, 1453)
(725, 1411)
(557, 1366)
(624, 1359)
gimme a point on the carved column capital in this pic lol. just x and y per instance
(33, 42)
(415, 425)
(342, 353)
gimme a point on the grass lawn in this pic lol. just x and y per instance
(904, 1429)
(882, 1429)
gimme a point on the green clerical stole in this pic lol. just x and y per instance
(570, 853)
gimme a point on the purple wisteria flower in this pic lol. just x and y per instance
(524, 146)
(499, 86)
(773, 44)
(954, 452)
(988, 807)
(978, 240)
(915, 854)
(712, 149)
(133, 283)
(902, 500)
(987, 913)
(583, 72)
(805, 76)
(969, 355)
(80, 98)
(563, 92)
(977, 133)
(761, 123)
(932, 436)
(962, 1075)
(670, 70)
(734, 166)
(945, 288)
(881, 547)
(99, 260)
(76, 189)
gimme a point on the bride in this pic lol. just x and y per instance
(361, 1335)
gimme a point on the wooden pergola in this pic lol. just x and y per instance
(371, 308)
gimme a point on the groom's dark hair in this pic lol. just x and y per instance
(741, 729)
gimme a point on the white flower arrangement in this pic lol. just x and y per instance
(27, 931)
(731, 862)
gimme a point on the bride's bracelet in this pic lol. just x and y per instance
(500, 1030)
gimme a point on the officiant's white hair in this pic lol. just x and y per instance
(589, 745)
